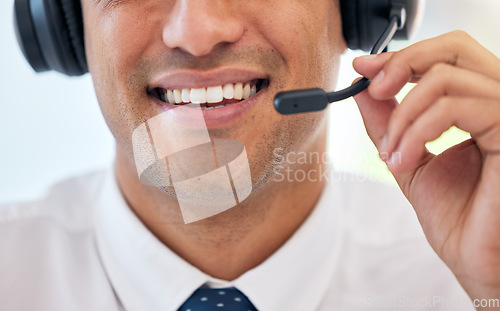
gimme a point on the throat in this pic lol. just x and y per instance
(226, 245)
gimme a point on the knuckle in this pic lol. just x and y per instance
(439, 74)
(458, 38)
(398, 64)
(440, 69)
(460, 34)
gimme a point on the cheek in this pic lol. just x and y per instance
(115, 42)
(308, 35)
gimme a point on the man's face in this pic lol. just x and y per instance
(138, 48)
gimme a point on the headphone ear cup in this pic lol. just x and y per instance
(72, 12)
(50, 33)
(26, 36)
(348, 9)
(364, 21)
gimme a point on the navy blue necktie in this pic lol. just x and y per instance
(217, 299)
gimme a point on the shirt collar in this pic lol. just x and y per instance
(147, 275)
(297, 276)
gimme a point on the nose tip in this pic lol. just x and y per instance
(197, 29)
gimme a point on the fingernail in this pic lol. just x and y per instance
(368, 57)
(379, 78)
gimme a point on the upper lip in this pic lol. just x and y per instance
(190, 78)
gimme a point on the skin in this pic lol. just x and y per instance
(129, 43)
(454, 194)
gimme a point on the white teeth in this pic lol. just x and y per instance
(211, 95)
(198, 96)
(186, 95)
(214, 94)
(228, 91)
(178, 96)
(170, 97)
(253, 90)
(246, 91)
(238, 91)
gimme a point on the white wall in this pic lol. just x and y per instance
(51, 126)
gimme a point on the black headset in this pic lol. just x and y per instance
(50, 32)
(363, 21)
(50, 35)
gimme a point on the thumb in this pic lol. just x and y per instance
(376, 114)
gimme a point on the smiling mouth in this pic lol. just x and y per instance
(211, 97)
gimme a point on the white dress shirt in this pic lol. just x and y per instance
(82, 248)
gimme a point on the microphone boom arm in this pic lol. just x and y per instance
(309, 100)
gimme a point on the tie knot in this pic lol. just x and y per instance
(217, 299)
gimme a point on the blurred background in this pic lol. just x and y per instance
(51, 126)
(350, 147)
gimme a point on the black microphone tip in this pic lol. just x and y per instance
(301, 101)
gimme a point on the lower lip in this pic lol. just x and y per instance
(214, 118)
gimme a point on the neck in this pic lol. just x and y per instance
(228, 244)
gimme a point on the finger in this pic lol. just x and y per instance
(369, 65)
(462, 112)
(456, 49)
(375, 116)
(441, 80)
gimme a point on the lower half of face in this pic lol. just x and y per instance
(286, 45)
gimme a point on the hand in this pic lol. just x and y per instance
(456, 194)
